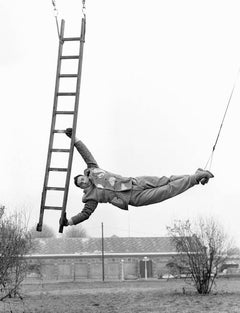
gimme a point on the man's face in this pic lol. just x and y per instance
(83, 182)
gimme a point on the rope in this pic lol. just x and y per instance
(223, 119)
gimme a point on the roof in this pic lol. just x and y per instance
(112, 245)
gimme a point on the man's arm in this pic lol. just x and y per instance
(88, 209)
(85, 153)
(83, 150)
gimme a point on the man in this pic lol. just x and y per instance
(100, 186)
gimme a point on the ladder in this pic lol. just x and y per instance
(55, 116)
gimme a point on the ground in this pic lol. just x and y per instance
(125, 297)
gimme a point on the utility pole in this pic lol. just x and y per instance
(103, 274)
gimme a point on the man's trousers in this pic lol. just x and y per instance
(150, 189)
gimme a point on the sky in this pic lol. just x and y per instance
(156, 80)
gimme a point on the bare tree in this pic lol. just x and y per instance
(15, 242)
(234, 251)
(76, 231)
(47, 232)
(202, 250)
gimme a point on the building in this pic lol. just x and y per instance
(73, 259)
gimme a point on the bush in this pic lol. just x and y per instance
(76, 231)
(15, 242)
(47, 232)
(202, 251)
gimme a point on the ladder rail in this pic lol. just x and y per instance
(81, 49)
(49, 155)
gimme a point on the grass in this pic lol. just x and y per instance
(125, 297)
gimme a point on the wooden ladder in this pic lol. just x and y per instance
(55, 115)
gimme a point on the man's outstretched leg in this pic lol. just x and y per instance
(175, 186)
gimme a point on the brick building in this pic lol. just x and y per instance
(81, 258)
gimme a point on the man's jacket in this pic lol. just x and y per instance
(105, 186)
(108, 187)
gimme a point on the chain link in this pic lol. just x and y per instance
(55, 10)
(84, 7)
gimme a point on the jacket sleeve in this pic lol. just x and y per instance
(85, 154)
(88, 209)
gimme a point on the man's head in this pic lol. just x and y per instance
(82, 181)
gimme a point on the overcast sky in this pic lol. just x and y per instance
(157, 76)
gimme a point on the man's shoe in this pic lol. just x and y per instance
(63, 221)
(203, 176)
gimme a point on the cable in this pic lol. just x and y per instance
(223, 119)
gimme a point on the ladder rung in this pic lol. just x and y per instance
(53, 208)
(56, 188)
(57, 169)
(59, 131)
(69, 57)
(60, 150)
(64, 112)
(66, 93)
(68, 75)
(71, 39)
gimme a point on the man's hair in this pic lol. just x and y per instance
(75, 179)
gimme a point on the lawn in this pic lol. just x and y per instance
(125, 297)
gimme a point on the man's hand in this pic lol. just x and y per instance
(63, 221)
(68, 132)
